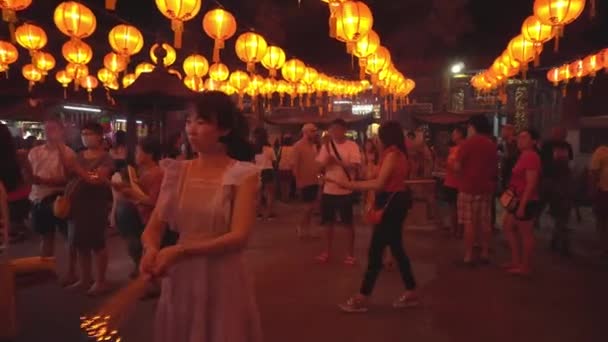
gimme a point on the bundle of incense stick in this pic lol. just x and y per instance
(103, 325)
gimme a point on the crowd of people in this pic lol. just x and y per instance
(194, 246)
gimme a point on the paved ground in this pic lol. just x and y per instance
(565, 301)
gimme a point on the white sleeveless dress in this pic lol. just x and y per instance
(205, 298)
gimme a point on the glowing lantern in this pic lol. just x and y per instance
(365, 47)
(240, 81)
(106, 76)
(44, 62)
(143, 67)
(31, 37)
(8, 53)
(77, 71)
(219, 72)
(250, 48)
(89, 83)
(128, 79)
(211, 84)
(178, 11)
(75, 20)
(511, 64)
(196, 65)
(538, 33)
(293, 70)
(376, 62)
(9, 9)
(65, 79)
(273, 60)
(558, 13)
(227, 89)
(310, 76)
(194, 83)
(603, 59)
(77, 52)
(170, 56)
(114, 62)
(591, 64)
(523, 51)
(113, 84)
(219, 25)
(577, 70)
(31, 74)
(333, 9)
(564, 72)
(355, 20)
(126, 40)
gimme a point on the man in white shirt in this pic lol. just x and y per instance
(341, 158)
(49, 177)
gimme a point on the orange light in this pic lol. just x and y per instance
(75, 19)
(219, 25)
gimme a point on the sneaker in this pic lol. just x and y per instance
(406, 300)
(350, 261)
(354, 305)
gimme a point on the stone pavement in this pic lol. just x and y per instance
(566, 300)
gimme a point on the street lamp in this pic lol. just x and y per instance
(457, 68)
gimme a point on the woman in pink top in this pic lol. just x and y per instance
(519, 224)
(392, 195)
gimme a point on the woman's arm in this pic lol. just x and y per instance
(5, 219)
(242, 220)
(153, 233)
(377, 183)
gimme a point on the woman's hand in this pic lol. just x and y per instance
(166, 258)
(148, 261)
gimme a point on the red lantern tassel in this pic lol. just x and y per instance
(178, 28)
(111, 5)
(217, 45)
(592, 9)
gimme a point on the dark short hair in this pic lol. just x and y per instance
(481, 124)
(339, 122)
(217, 107)
(391, 134)
(532, 132)
(54, 119)
(151, 146)
(461, 130)
(94, 127)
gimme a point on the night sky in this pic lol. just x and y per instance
(424, 36)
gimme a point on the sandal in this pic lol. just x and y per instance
(350, 260)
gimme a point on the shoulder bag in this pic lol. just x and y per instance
(374, 215)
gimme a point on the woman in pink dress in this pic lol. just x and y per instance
(206, 294)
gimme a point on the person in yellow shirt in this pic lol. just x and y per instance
(599, 186)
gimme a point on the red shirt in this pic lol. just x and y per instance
(528, 161)
(451, 178)
(396, 180)
(478, 160)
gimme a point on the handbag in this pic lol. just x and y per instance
(374, 215)
(63, 203)
(509, 200)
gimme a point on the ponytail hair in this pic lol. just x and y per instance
(217, 107)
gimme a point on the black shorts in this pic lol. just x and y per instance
(337, 204)
(450, 195)
(532, 211)
(309, 193)
(267, 176)
(43, 220)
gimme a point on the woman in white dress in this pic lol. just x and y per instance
(206, 293)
